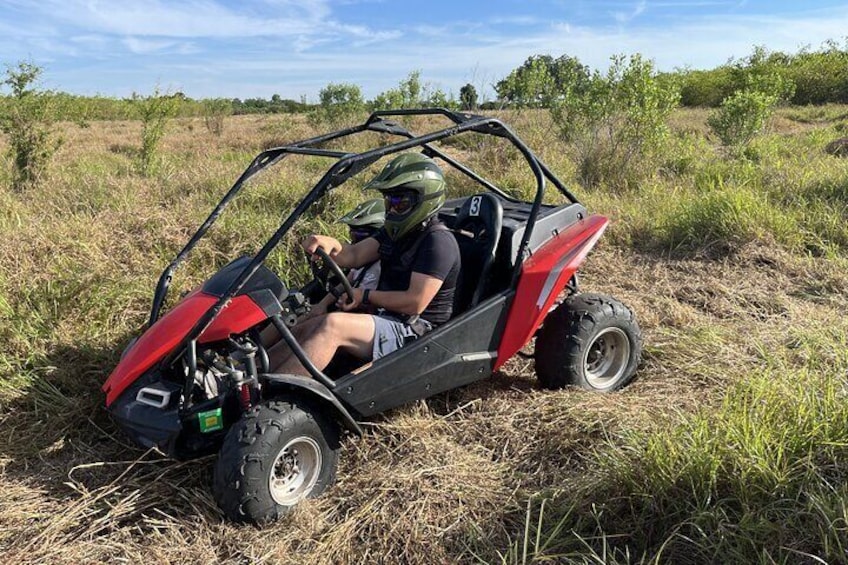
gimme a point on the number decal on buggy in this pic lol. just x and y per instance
(475, 205)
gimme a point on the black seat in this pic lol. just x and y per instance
(478, 230)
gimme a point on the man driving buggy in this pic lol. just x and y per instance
(363, 222)
(419, 260)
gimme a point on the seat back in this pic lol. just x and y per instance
(478, 230)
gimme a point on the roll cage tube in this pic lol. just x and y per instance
(350, 164)
(263, 160)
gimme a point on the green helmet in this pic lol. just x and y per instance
(369, 214)
(417, 177)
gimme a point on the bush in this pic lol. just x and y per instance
(742, 116)
(214, 112)
(155, 111)
(412, 93)
(705, 87)
(820, 76)
(617, 127)
(340, 105)
(761, 87)
(27, 118)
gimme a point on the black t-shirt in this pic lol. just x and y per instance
(435, 255)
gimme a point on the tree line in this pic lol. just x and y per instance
(614, 120)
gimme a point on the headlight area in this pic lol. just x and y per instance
(148, 411)
(152, 412)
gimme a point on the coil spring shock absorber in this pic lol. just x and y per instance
(244, 397)
(245, 385)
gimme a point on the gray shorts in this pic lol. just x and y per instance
(390, 334)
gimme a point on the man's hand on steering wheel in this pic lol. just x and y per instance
(330, 275)
(354, 303)
(330, 244)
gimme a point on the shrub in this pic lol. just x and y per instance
(340, 104)
(820, 76)
(27, 118)
(761, 87)
(742, 116)
(618, 125)
(412, 93)
(764, 71)
(214, 112)
(705, 87)
(155, 111)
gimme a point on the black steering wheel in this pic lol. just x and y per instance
(330, 275)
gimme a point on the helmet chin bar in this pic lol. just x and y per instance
(396, 225)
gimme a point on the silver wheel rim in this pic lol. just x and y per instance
(606, 358)
(295, 471)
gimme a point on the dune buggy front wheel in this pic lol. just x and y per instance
(275, 456)
(591, 341)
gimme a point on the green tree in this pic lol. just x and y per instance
(764, 71)
(705, 87)
(542, 80)
(820, 76)
(468, 97)
(617, 126)
(406, 95)
(27, 118)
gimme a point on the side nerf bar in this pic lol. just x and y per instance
(542, 278)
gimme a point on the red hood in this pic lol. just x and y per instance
(168, 332)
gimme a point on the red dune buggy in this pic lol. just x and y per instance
(198, 379)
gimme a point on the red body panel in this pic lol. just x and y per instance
(543, 276)
(167, 333)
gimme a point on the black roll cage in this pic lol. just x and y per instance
(348, 165)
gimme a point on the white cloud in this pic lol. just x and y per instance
(292, 47)
(625, 17)
(198, 18)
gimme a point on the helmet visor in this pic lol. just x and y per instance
(358, 234)
(399, 203)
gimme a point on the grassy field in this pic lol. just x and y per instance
(731, 445)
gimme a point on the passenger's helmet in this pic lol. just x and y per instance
(413, 188)
(365, 219)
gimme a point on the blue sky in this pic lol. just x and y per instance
(256, 48)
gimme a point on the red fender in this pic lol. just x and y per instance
(543, 276)
(162, 337)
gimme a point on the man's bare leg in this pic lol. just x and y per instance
(323, 336)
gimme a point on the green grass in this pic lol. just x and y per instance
(760, 478)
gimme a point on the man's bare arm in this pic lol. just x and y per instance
(346, 255)
(414, 300)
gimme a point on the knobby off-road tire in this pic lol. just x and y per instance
(279, 453)
(591, 341)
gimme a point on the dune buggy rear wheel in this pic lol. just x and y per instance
(592, 341)
(278, 454)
